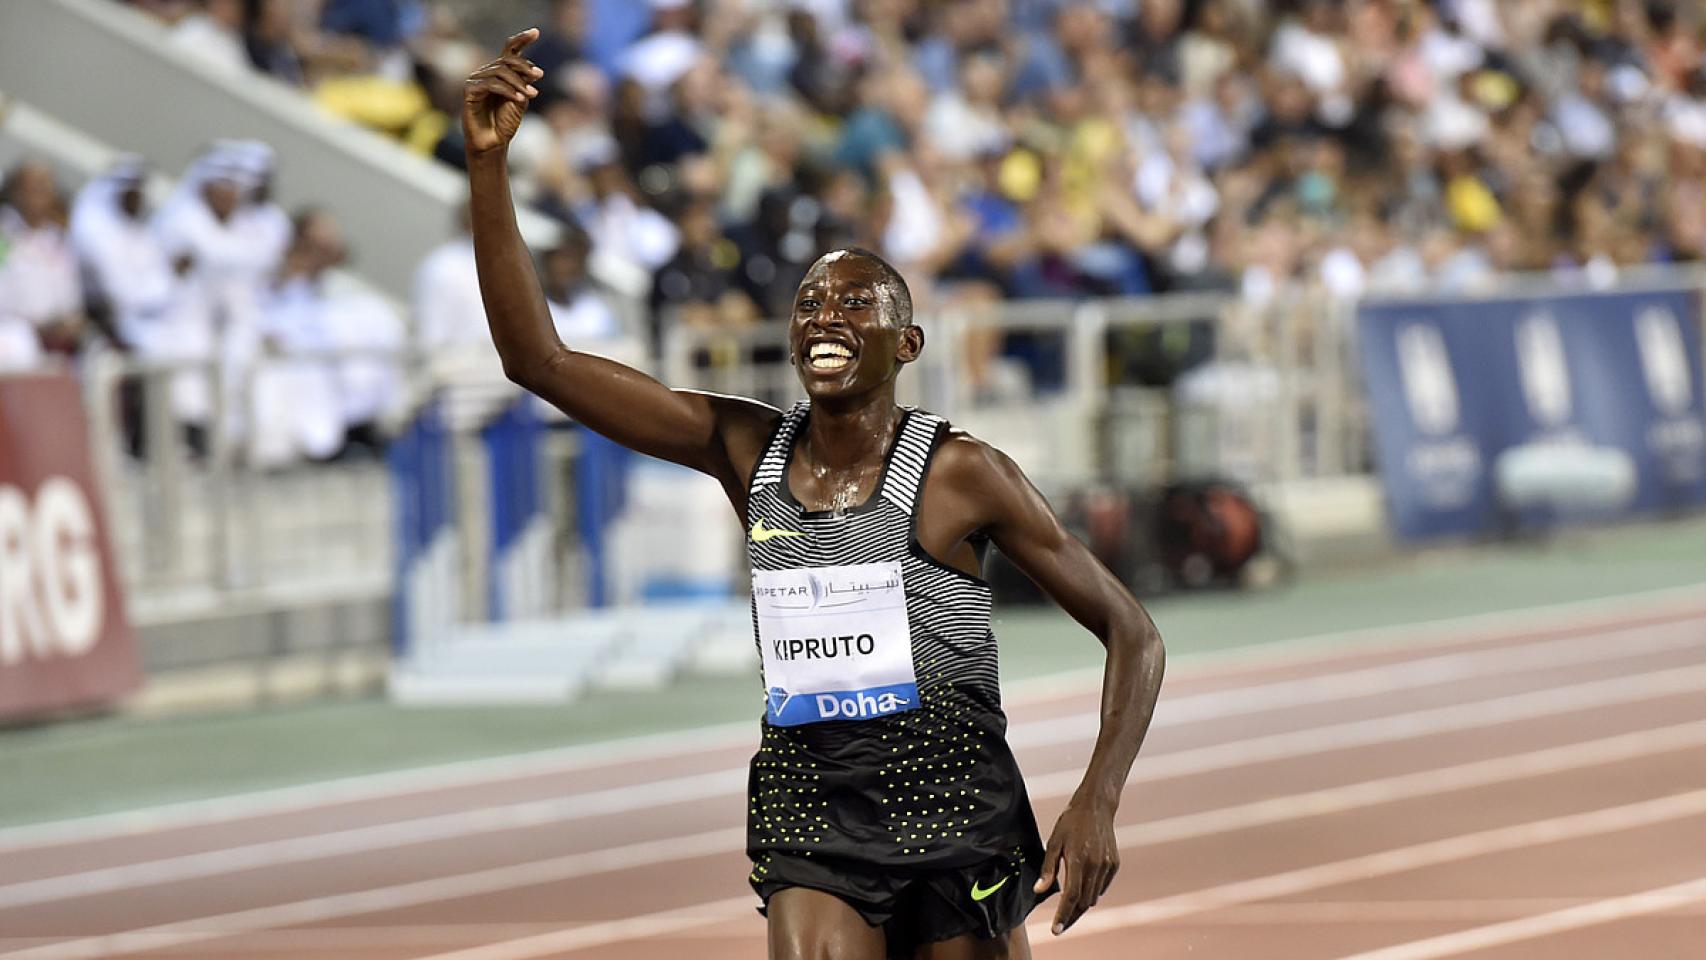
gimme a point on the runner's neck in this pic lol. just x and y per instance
(850, 438)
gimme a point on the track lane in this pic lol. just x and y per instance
(546, 903)
(1064, 728)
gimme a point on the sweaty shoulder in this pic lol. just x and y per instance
(973, 473)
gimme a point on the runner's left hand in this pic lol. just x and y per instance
(1083, 857)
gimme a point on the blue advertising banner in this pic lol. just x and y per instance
(1533, 410)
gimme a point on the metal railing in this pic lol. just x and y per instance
(197, 526)
(1134, 390)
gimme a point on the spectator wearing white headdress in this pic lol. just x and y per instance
(125, 266)
(41, 297)
(200, 225)
(261, 224)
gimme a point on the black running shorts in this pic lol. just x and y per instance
(913, 906)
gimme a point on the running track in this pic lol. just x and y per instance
(1531, 789)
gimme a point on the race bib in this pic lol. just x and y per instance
(835, 642)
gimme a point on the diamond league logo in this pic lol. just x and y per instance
(1544, 370)
(1664, 361)
(1430, 390)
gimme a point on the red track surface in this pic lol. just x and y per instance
(1538, 794)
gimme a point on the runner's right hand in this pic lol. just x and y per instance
(495, 97)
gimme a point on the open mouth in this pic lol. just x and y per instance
(828, 356)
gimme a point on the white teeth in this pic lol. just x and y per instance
(828, 356)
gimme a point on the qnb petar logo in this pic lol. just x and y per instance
(1544, 370)
(1430, 390)
(51, 598)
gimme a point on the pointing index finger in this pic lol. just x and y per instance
(514, 45)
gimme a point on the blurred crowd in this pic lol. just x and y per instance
(1038, 148)
(704, 152)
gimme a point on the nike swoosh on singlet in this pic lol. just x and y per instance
(761, 533)
(979, 893)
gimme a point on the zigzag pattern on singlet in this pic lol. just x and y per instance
(948, 611)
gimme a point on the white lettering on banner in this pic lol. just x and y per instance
(858, 706)
(51, 599)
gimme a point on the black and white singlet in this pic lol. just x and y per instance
(884, 740)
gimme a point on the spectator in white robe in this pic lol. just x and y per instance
(41, 295)
(370, 378)
(449, 316)
(149, 309)
(201, 223)
(294, 394)
(262, 224)
(126, 271)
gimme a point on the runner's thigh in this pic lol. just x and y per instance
(808, 924)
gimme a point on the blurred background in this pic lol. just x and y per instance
(1308, 315)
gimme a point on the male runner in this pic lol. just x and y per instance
(886, 815)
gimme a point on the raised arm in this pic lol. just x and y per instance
(994, 495)
(714, 434)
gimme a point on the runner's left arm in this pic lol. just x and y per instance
(1082, 853)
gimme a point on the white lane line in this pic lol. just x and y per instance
(1391, 861)
(1676, 604)
(456, 886)
(729, 841)
(1610, 910)
(1398, 726)
(1314, 803)
(1448, 668)
(1575, 826)
(643, 927)
(730, 782)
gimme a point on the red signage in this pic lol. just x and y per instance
(64, 640)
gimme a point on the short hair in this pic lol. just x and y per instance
(892, 290)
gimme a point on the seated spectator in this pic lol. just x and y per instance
(662, 56)
(700, 285)
(214, 34)
(384, 25)
(269, 38)
(324, 380)
(563, 39)
(777, 247)
(628, 236)
(965, 122)
(129, 279)
(41, 296)
(580, 313)
(449, 314)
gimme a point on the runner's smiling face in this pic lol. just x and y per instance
(844, 338)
